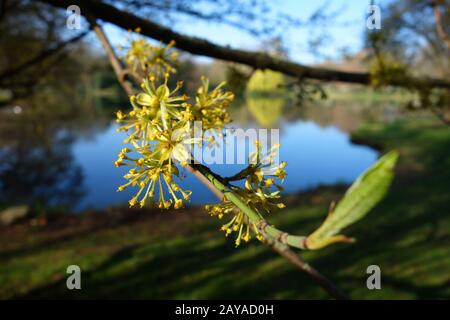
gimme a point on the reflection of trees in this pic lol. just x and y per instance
(40, 172)
(36, 164)
(346, 115)
(265, 82)
(266, 111)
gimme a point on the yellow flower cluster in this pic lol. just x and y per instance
(160, 137)
(159, 132)
(144, 57)
(150, 175)
(386, 69)
(211, 106)
(260, 193)
(239, 222)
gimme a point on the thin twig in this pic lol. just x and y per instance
(129, 21)
(205, 181)
(445, 38)
(114, 61)
(440, 116)
(315, 275)
(41, 56)
(277, 239)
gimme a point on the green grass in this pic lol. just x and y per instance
(183, 255)
(363, 93)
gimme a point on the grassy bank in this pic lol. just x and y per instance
(183, 255)
(368, 94)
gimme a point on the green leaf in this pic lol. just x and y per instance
(360, 198)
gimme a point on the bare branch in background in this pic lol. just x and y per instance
(257, 60)
(114, 61)
(40, 57)
(245, 16)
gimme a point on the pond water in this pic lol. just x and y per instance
(83, 173)
(315, 156)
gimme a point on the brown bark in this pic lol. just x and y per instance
(127, 20)
(315, 275)
(445, 38)
(41, 57)
(113, 60)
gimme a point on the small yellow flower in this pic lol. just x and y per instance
(118, 162)
(148, 58)
(132, 202)
(178, 204)
(120, 115)
(239, 222)
(211, 106)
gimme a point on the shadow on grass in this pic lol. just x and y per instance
(407, 235)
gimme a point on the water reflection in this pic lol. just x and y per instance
(321, 155)
(266, 111)
(68, 159)
(42, 175)
(37, 165)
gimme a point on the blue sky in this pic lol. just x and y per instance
(348, 33)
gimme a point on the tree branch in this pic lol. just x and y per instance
(276, 245)
(114, 61)
(198, 46)
(275, 238)
(445, 38)
(41, 56)
(313, 273)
